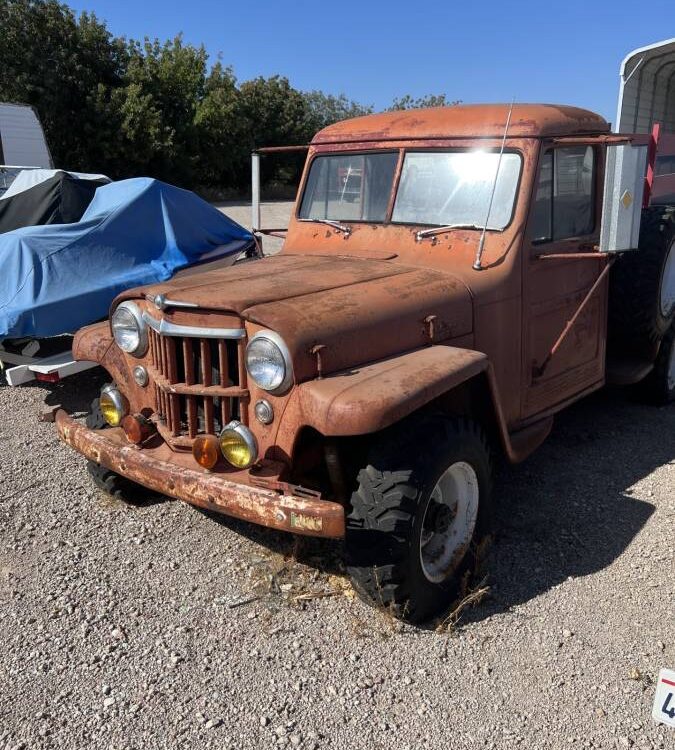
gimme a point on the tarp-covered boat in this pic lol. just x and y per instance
(56, 278)
(41, 196)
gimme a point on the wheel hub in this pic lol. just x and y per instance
(449, 521)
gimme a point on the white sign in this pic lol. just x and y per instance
(664, 700)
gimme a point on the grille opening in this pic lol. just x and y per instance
(195, 362)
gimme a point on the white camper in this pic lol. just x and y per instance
(22, 140)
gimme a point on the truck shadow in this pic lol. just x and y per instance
(570, 510)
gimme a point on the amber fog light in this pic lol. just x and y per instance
(205, 450)
(137, 428)
(114, 406)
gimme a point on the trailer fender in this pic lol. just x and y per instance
(367, 399)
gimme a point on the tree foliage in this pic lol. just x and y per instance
(431, 100)
(126, 107)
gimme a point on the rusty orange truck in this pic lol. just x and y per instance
(491, 265)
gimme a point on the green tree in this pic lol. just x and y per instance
(325, 109)
(430, 100)
(66, 69)
(125, 107)
(223, 140)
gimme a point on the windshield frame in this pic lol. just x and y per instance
(402, 151)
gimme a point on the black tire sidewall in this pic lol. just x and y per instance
(664, 323)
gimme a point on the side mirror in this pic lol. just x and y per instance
(625, 170)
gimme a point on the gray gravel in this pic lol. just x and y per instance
(159, 626)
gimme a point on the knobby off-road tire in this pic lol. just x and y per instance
(109, 481)
(639, 313)
(393, 556)
(659, 386)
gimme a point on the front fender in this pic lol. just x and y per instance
(367, 399)
(95, 344)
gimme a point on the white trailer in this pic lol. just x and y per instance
(22, 139)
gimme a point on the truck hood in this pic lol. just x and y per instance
(358, 309)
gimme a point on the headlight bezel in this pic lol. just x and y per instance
(141, 328)
(277, 341)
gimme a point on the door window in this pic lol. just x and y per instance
(564, 201)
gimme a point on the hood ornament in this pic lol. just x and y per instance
(161, 302)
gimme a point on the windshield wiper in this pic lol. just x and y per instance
(335, 224)
(419, 236)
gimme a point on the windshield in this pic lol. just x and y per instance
(353, 187)
(454, 188)
(436, 188)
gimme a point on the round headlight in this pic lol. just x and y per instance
(238, 445)
(114, 406)
(268, 362)
(129, 329)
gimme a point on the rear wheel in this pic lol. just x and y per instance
(642, 283)
(659, 385)
(421, 507)
(105, 479)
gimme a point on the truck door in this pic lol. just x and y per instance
(564, 219)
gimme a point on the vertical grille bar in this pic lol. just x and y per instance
(151, 340)
(241, 363)
(188, 357)
(205, 351)
(172, 374)
(224, 381)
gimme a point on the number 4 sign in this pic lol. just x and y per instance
(664, 700)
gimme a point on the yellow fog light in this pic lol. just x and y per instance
(114, 406)
(238, 445)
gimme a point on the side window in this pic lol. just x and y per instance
(565, 196)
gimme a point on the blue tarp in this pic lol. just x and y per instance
(55, 279)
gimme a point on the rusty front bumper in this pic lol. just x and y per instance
(311, 517)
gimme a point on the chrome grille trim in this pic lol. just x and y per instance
(165, 328)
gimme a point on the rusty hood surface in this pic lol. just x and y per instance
(355, 308)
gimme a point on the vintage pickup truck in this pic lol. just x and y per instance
(357, 384)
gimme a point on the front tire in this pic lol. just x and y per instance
(418, 514)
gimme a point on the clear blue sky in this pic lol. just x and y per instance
(567, 53)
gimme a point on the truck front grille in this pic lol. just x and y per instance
(199, 384)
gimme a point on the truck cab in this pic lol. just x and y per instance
(446, 286)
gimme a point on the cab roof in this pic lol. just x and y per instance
(465, 121)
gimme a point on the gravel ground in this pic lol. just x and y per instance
(159, 626)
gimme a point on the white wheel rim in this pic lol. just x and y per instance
(449, 521)
(667, 291)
